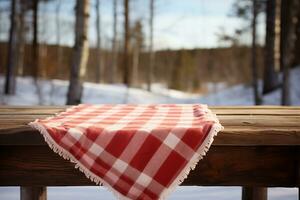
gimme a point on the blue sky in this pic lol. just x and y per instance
(177, 23)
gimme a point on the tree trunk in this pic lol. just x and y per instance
(20, 35)
(271, 81)
(9, 87)
(137, 37)
(289, 11)
(126, 72)
(136, 60)
(35, 46)
(297, 45)
(58, 39)
(80, 52)
(277, 37)
(151, 53)
(112, 71)
(257, 99)
(98, 33)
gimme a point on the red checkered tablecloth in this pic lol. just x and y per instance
(137, 151)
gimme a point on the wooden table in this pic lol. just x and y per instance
(260, 147)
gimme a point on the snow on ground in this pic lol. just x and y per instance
(181, 193)
(243, 94)
(53, 92)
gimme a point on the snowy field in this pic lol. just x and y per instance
(53, 92)
(181, 193)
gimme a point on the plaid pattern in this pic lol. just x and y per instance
(138, 151)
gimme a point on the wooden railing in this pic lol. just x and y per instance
(259, 148)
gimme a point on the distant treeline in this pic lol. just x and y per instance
(187, 70)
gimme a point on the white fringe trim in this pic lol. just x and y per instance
(202, 150)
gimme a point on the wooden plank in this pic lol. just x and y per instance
(24, 135)
(273, 112)
(247, 166)
(241, 154)
(259, 121)
(34, 107)
(262, 107)
(31, 110)
(222, 113)
(258, 136)
(232, 110)
(33, 193)
(223, 166)
(254, 193)
(227, 121)
(24, 117)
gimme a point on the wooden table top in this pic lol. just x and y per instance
(244, 125)
(260, 146)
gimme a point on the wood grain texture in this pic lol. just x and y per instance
(223, 166)
(33, 193)
(253, 193)
(260, 146)
(244, 125)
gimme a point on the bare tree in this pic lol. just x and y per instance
(21, 36)
(271, 80)
(289, 15)
(126, 71)
(151, 52)
(9, 87)
(112, 69)
(257, 98)
(35, 56)
(137, 35)
(80, 52)
(297, 44)
(58, 36)
(98, 33)
(35, 45)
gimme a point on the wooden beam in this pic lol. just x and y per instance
(22, 134)
(223, 166)
(232, 110)
(244, 125)
(258, 148)
(33, 193)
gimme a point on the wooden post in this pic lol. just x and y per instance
(33, 193)
(298, 170)
(254, 193)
